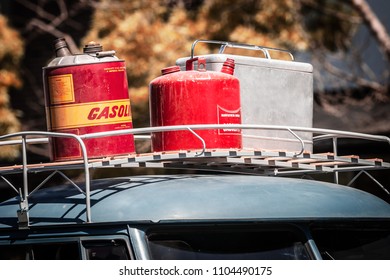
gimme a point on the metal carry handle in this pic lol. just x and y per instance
(201, 63)
(225, 44)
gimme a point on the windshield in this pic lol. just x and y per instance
(233, 244)
(353, 244)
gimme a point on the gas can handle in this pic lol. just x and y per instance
(201, 64)
(225, 44)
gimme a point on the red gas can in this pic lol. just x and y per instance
(195, 97)
(87, 93)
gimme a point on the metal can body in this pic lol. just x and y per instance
(88, 98)
(195, 97)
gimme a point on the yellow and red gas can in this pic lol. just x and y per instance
(87, 93)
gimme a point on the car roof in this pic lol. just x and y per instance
(179, 198)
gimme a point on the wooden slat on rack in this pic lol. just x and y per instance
(329, 163)
(219, 159)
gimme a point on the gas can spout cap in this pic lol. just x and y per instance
(61, 47)
(228, 66)
(92, 48)
(170, 70)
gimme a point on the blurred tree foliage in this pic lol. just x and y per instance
(11, 51)
(151, 35)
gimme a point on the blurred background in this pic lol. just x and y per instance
(347, 42)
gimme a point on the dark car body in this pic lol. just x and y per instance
(199, 217)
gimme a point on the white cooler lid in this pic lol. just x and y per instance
(253, 61)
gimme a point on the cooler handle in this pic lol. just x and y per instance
(225, 44)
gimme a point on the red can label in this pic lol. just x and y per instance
(228, 117)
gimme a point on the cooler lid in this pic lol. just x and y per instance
(267, 61)
(254, 62)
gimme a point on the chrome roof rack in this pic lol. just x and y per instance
(246, 161)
